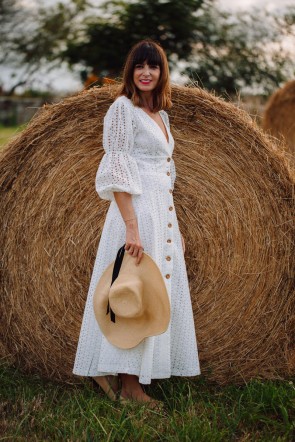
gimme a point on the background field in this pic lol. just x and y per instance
(6, 133)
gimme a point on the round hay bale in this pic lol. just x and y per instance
(278, 118)
(235, 205)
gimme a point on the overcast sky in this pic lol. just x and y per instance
(245, 4)
(228, 4)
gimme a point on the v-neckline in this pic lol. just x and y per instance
(168, 142)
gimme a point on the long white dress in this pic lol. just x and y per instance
(138, 160)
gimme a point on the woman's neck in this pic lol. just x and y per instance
(147, 101)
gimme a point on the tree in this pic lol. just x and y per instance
(245, 50)
(105, 41)
(221, 51)
(32, 38)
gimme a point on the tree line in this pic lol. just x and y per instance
(215, 49)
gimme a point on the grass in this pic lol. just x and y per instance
(7, 132)
(35, 409)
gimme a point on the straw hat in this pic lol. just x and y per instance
(131, 302)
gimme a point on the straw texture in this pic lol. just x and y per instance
(234, 197)
(279, 117)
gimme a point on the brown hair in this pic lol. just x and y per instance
(151, 52)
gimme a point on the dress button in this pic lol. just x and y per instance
(168, 159)
(167, 276)
(168, 173)
(169, 225)
(170, 208)
(169, 240)
(168, 258)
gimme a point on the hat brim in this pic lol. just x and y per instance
(125, 332)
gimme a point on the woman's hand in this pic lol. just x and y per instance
(133, 243)
(183, 244)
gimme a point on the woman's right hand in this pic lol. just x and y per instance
(133, 243)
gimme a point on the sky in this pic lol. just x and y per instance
(61, 80)
(228, 4)
(245, 4)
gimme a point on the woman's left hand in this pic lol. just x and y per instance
(183, 244)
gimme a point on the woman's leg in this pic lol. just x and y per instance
(131, 388)
(109, 383)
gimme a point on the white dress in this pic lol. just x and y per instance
(138, 160)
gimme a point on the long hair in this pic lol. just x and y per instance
(151, 52)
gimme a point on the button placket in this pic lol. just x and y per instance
(168, 249)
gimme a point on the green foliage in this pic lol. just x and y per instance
(104, 41)
(220, 51)
(33, 38)
(35, 409)
(245, 50)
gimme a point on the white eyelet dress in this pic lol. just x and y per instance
(138, 160)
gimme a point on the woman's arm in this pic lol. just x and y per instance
(133, 243)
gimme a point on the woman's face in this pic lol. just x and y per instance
(146, 77)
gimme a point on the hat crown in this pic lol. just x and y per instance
(126, 296)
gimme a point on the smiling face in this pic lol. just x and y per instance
(146, 76)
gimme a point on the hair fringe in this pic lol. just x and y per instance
(162, 92)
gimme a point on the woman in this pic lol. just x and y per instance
(137, 175)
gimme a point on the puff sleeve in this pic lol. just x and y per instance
(118, 170)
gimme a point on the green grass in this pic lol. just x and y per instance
(33, 409)
(38, 410)
(7, 132)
